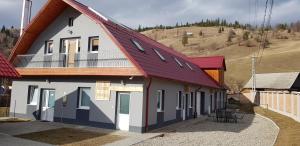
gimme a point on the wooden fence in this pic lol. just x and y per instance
(283, 102)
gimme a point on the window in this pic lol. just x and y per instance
(71, 21)
(138, 46)
(191, 99)
(32, 95)
(160, 100)
(84, 98)
(66, 43)
(49, 47)
(189, 66)
(94, 44)
(179, 100)
(178, 62)
(160, 56)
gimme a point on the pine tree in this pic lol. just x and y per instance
(185, 39)
(220, 30)
(3, 29)
(140, 28)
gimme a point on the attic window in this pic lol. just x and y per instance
(160, 56)
(189, 66)
(178, 62)
(71, 21)
(138, 46)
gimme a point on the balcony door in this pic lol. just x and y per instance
(70, 47)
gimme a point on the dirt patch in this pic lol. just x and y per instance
(4, 111)
(70, 136)
(289, 134)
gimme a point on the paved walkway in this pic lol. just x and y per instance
(253, 130)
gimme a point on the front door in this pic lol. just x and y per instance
(48, 102)
(71, 52)
(123, 111)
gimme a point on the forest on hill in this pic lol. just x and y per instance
(8, 38)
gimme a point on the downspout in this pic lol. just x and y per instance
(147, 104)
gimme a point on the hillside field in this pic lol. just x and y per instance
(281, 55)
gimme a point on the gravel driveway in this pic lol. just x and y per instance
(253, 130)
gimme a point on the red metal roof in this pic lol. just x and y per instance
(212, 62)
(147, 62)
(6, 69)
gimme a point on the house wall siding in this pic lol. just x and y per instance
(101, 113)
(109, 53)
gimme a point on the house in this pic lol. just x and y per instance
(279, 92)
(215, 67)
(7, 72)
(78, 66)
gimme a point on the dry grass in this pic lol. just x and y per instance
(71, 137)
(289, 134)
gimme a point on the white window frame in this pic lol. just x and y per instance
(179, 100)
(159, 92)
(189, 66)
(91, 44)
(48, 48)
(178, 62)
(37, 95)
(80, 97)
(160, 55)
(138, 45)
(190, 100)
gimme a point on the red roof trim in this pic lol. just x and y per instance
(211, 62)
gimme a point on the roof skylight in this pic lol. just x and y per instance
(160, 56)
(138, 46)
(189, 66)
(178, 62)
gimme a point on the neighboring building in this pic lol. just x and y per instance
(80, 67)
(279, 92)
(289, 81)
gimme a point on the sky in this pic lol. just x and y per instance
(168, 12)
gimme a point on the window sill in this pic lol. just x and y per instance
(82, 108)
(32, 104)
(178, 108)
(159, 111)
(93, 52)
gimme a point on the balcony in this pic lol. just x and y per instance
(89, 60)
(77, 64)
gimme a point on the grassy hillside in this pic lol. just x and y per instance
(280, 56)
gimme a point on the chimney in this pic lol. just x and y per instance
(26, 14)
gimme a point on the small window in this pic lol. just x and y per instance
(160, 56)
(84, 98)
(191, 99)
(32, 95)
(178, 62)
(138, 46)
(160, 100)
(49, 47)
(94, 44)
(71, 21)
(179, 100)
(189, 66)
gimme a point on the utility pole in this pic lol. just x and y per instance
(253, 76)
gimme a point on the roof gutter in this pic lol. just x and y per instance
(147, 104)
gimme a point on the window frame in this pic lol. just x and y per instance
(90, 49)
(190, 67)
(178, 62)
(29, 94)
(71, 21)
(161, 100)
(191, 100)
(179, 100)
(159, 55)
(138, 45)
(80, 98)
(63, 40)
(47, 48)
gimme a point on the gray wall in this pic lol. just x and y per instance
(100, 111)
(84, 28)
